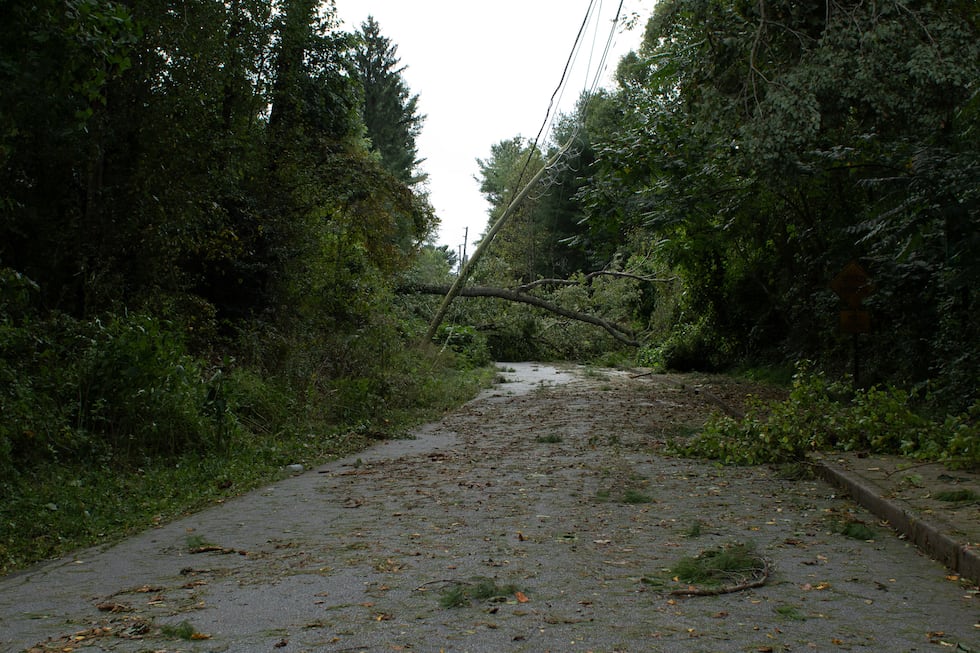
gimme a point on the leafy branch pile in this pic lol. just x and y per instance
(823, 415)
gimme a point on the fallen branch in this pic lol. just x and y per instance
(589, 277)
(618, 332)
(212, 548)
(757, 581)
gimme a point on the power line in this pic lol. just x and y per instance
(592, 89)
(522, 193)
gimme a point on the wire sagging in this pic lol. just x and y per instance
(591, 14)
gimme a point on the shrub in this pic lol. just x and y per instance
(822, 415)
(469, 344)
(689, 347)
(140, 389)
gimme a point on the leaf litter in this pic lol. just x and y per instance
(491, 501)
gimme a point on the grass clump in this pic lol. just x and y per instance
(958, 496)
(183, 630)
(694, 530)
(196, 541)
(634, 497)
(858, 531)
(725, 565)
(790, 612)
(462, 594)
(550, 438)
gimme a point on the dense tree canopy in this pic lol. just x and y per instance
(753, 149)
(196, 173)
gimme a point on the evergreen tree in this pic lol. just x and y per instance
(390, 110)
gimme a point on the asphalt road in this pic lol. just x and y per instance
(553, 489)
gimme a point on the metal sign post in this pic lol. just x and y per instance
(853, 285)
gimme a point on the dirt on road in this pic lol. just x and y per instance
(544, 515)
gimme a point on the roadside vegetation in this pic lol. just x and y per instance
(821, 415)
(186, 310)
(750, 154)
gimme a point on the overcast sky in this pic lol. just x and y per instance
(485, 72)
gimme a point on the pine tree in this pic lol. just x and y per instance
(390, 110)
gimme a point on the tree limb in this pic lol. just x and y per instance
(588, 279)
(620, 333)
(470, 265)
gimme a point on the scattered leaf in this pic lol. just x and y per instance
(521, 597)
(110, 606)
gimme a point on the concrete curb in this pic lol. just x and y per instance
(931, 537)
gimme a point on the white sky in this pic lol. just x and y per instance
(485, 72)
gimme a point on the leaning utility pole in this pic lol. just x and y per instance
(485, 243)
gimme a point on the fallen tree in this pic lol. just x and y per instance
(620, 333)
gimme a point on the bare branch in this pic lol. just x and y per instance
(588, 279)
(620, 333)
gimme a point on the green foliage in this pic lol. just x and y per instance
(140, 391)
(688, 347)
(550, 438)
(790, 612)
(719, 566)
(964, 497)
(763, 145)
(469, 344)
(858, 531)
(390, 111)
(633, 497)
(124, 387)
(481, 589)
(183, 630)
(820, 415)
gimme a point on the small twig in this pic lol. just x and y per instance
(444, 581)
(212, 548)
(905, 469)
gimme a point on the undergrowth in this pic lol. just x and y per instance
(111, 428)
(825, 415)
